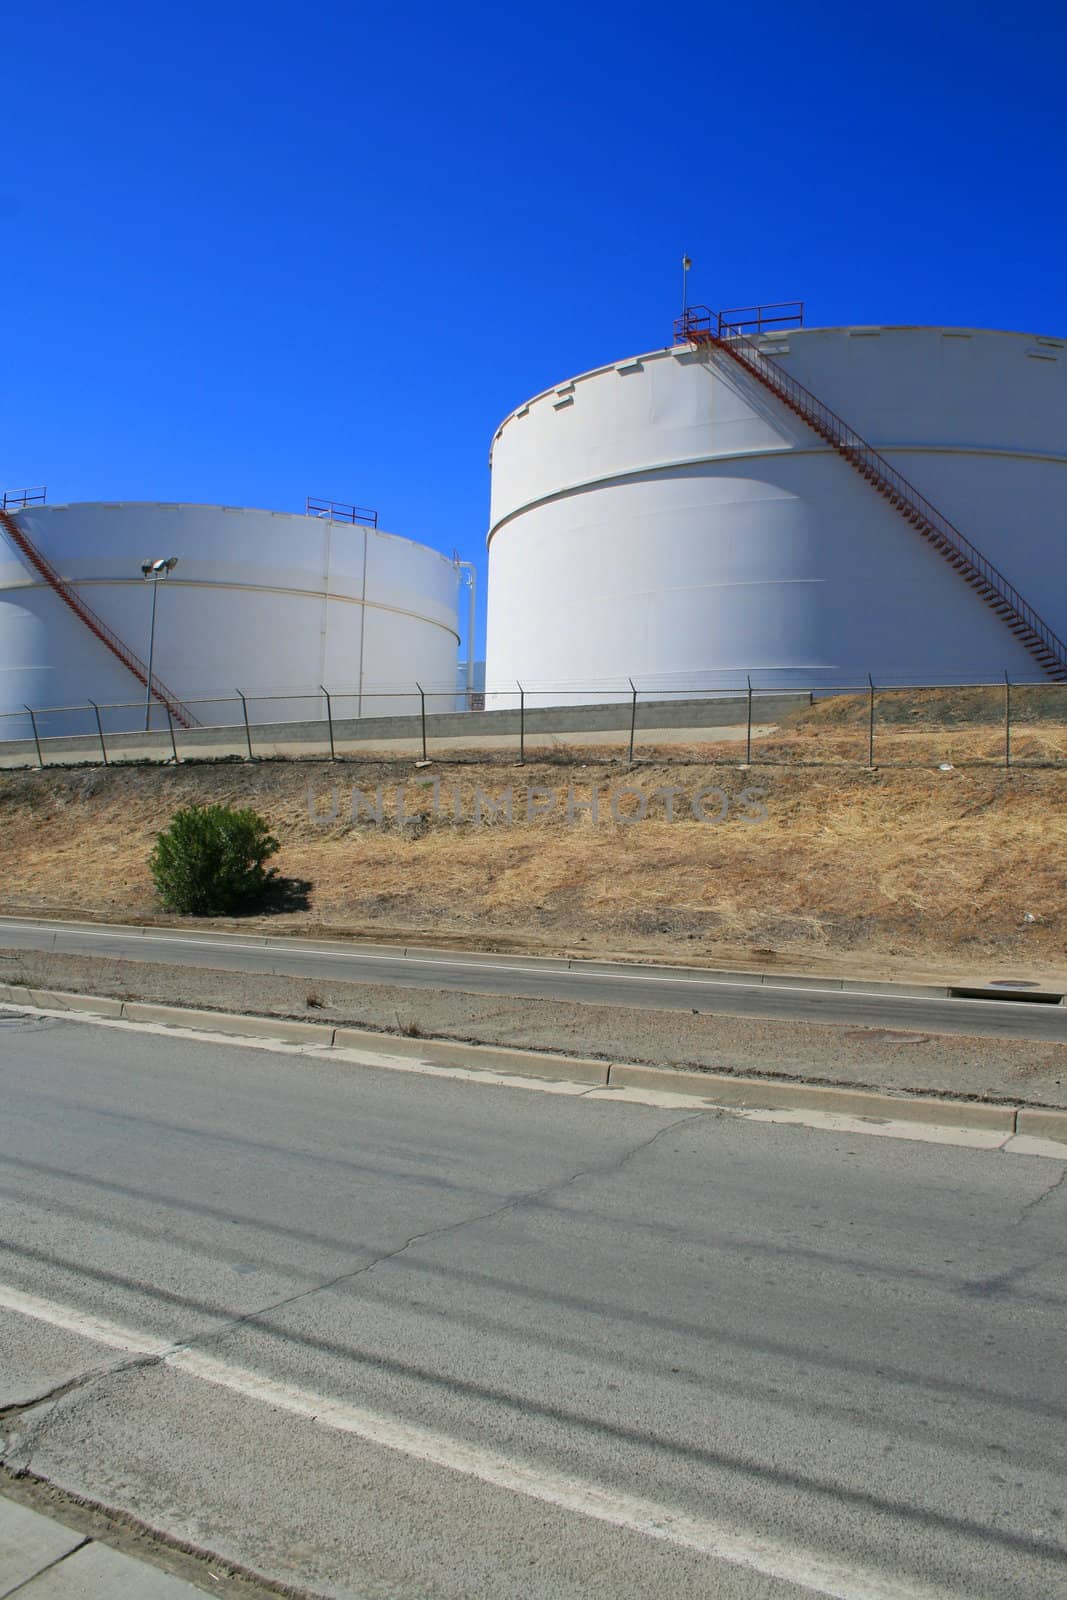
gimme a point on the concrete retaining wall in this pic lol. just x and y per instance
(462, 729)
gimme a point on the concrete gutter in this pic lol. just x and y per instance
(714, 1089)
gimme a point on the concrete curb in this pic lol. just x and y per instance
(763, 1094)
(1039, 1123)
(54, 1000)
(227, 1022)
(720, 1089)
(483, 1057)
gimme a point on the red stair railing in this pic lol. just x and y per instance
(696, 327)
(96, 625)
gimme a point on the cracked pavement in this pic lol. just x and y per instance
(1056, 1184)
(844, 1345)
(16, 1450)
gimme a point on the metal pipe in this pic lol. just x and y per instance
(173, 741)
(422, 717)
(362, 624)
(522, 725)
(748, 730)
(633, 721)
(472, 613)
(870, 724)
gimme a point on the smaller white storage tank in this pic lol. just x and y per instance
(268, 603)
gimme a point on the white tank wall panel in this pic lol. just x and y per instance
(641, 589)
(950, 386)
(263, 602)
(657, 413)
(668, 519)
(1014, 508)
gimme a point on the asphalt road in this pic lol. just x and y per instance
(533, 978)
(381, 1334)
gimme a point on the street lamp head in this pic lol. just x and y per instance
(160, 568)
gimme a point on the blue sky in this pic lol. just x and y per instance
(259, 251)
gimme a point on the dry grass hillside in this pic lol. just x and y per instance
(922, 727)
(962, 870)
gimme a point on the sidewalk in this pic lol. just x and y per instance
(42, 1559)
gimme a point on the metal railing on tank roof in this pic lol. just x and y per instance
(16, 499)
(340, 511)
(699, 324)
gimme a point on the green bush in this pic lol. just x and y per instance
(209, 861)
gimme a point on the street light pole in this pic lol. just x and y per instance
(152, 571)
(151, 653)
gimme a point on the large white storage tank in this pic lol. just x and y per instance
(668, 519)
(268, 603)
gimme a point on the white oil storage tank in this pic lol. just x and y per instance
(271, 604)
(802, 506)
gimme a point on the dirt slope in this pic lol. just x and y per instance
(958, 870)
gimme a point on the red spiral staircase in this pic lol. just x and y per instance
(731, 332)
(96, 625)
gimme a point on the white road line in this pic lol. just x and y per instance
(98, 1329)
(806, 1569)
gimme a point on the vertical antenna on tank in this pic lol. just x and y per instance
(686, 264)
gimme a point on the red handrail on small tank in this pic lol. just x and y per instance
(96, 625)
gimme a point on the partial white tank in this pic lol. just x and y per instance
(266, 603)
(667, 519)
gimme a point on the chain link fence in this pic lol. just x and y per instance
(1002, 724)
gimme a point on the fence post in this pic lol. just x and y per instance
(100, 731)
(870, 724)
(248, 730)
(522, 725)
(329, 719)
(36, 740)
(173, 744)
(633, 721)
(422, 716)
(748, 728)
(1007, 719)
